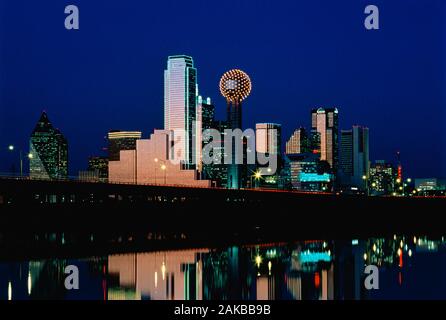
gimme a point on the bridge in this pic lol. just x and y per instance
(37, 207)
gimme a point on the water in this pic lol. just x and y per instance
(409, 268)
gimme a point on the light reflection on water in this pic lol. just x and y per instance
(410, 268)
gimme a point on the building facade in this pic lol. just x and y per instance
(268, 138)
(180, 106)
(269, 143)
(325, 128)
(354, 164)
(48, 151)
(382, 178)
(299, 142)
(121, 140)
(308, 173)
(99, 165)
(151, 163)
(205, 120)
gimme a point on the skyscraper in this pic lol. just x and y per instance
(180, 104)
(325, 123)
(121, 140)
(48, 151)
(299, 142)
(354, 156)
(205, 119)
(268, 142)
(268, 138)
(218, 172)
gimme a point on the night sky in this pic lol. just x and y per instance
(299, 54)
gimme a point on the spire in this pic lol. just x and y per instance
(44, 124)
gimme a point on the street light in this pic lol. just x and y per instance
(364, 177)
(257, 176)
(156, 161)
(11, 148)
(164, 168)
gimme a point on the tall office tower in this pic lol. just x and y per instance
(382, 178)
(299, 142)
(48, 151)
(346, 157)
(218, 173)
(205, 119)
(268, 138)
(268, 142)
(121, 140)
(180, 104)
(235, 86)
(354, 156)
(325, 123)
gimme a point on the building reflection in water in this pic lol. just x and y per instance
(172, 275)
(309, 270)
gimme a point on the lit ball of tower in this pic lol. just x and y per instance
(235, 86)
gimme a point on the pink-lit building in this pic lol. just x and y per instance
(150, 164)
(158, 275)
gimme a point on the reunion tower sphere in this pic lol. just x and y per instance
(235, 85)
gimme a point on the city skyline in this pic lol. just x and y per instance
(135, 85)
(199, 152)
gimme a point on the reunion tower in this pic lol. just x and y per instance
(235, 86)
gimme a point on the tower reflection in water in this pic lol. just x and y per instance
(410, 267)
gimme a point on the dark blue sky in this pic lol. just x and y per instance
(299, 54)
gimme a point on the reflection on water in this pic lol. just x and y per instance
(410, 268)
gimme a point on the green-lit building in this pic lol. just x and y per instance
(99, 165)
(218, 173)
(383, 176)
(48, 151)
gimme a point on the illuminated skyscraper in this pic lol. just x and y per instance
(298, 143)
(354, 156)
(235, 86)
(121, 140)
(325, 123)
(48, 151)
(205, 119)
(382, 178)
(180, 104)
(268, 142)
(268, 138)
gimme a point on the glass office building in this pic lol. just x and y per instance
(180, 106)
(121, 140)
(48, 152)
